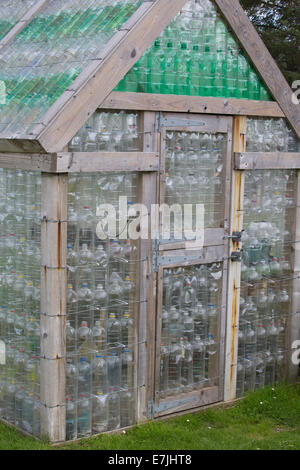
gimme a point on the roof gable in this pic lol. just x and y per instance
(196, 55)
(107, 46)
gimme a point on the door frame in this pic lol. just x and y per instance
(173, 254)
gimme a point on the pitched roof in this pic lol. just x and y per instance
(65, 62)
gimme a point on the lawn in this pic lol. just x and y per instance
(265, 420)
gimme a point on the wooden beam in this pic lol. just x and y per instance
(148, 183)
(261, 58)
(23, 22)
(191, 104)
(53, 305)
(106, 161)
(95, 83)
(266, 161)
(82, 162)
(234, 268)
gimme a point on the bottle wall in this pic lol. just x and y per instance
(196, 55)
(195, 164)
(11, 12)
(189, 351)
(271, 135)
(109, 132)
(42, 61)
(102, 309)
(20, 298)
(266, 278)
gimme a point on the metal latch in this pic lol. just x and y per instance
(236, 256)
(235, 237)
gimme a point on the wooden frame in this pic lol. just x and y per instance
(74, 107)
(234, 268)
(82, 162)
(46, 151)
(67, 115)
(147, 195)
(53, 305)
(175, 254)
(191, 104)
(266, 66)
(267, 161)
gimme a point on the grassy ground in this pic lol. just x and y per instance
(265, 420)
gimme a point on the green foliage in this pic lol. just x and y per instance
(278, 23)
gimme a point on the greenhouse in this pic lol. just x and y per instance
(110, 313)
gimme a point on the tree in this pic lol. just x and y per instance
(277, 21)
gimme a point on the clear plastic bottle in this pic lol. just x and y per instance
(71, 415)
(71, 378)
(198, 361)
(84, 416)
(164, 370)
(127, 401)
(100, 413)
(99, 370)
(174, 366)
(27, 413)
(127, 369)
(187, 365)
(113, 401)
(114, 370)
(84, 376)
(113, 330)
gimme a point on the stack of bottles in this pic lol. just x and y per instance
(269, 209)
(109, 132)
(42, 61)
(189, 351)
(20, 299)
(196, 55)
(271, 135)
(11, 12)
(102, 309)
(195, 173)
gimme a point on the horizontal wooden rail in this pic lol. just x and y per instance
(267, 161)
(191, 104)
(81, 162)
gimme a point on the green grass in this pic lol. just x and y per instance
(265, 420)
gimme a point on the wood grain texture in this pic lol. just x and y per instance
(267, 161)
(82, 162)
(234, 268)
(53, 305)
(191, 104)
(104, 74)
(261, 58)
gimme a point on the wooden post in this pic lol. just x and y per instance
(147, 288)
(293, 333)
(234, 273)
(53, 305)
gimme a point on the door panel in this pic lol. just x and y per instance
(191, 299)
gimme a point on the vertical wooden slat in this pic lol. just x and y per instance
(223, 297)
(53, 304)
(234, 273)
(147, 196)
(293, 333)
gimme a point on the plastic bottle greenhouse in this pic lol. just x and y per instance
(149, 213)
